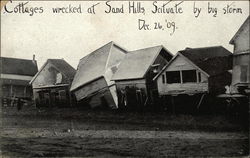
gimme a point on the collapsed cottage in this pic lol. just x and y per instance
(196, 71)
(134, 77)
(15, 77)
(52, 82)
(92, 83)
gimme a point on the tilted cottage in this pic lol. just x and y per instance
(15, 77)
(52, 82)
(196, 71)
(241, 58)
(134, 77)
(92, 83)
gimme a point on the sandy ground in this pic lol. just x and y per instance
(88, 136)
(53, 133)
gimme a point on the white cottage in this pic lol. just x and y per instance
(196, 70)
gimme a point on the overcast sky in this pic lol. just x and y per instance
(72, 36)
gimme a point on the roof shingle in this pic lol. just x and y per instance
(18, 66)
(212, 60)
(136, 63)
(97, 64)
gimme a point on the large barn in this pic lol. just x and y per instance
(15, 77)
(51, 84)
(92, 83)
(134, 77)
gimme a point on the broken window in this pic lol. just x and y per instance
(189, 76)
(173, 77)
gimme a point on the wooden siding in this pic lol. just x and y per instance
(140, 83)
(241, 43)
(132, 93)
(90, 88)
(184, 88)
(241, 58)
(241, 69)
(15, 86)
(9, 90)
(48, 77)
(103, 99)
(16, 77)
(55, 96)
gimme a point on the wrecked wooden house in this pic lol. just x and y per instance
(15, 77)
(92, 83)
(51, 84)
(195, 72)
(241, 59)
(134, 77)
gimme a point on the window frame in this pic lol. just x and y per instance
(189, 76)
(173, 82)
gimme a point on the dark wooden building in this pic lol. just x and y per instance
(134, 77)
(92, 83)
(52, 83)
(15, 77)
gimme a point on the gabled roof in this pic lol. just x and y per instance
(61, 65)
(210, 60)
(137, 63)
(18, 66)
(94, 65)
(245, 24)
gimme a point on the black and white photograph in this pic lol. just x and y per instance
(124, 79)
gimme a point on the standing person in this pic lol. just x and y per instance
(19, 104)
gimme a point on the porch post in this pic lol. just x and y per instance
(70, 101)
(181, 77)
(173, 104)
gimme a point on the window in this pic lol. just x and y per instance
(189, 76)
(243, 73)
(62, 94)
(163, 79)
(173, 77)
(58, 78)
(199, 77)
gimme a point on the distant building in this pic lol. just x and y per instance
(196, 70)
(241, 57)
(52, 83)
(92, 83)
(15, 77)
(134, 77)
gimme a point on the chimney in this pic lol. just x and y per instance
(34, 57)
